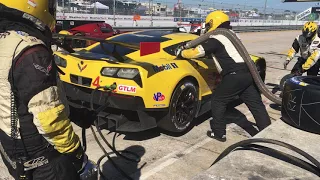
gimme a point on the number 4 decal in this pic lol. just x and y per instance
(96, 82)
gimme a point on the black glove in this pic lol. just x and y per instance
(178, 51)
(285, 64)
(299, 71)
(78, 158)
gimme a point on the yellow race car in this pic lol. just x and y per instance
(154, 88)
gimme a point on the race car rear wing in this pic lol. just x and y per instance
(145, 47)
(60, 39)
(173, 28)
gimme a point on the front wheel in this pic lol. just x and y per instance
(183, 107)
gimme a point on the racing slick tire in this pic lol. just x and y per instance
(182, 108)
(301, 103)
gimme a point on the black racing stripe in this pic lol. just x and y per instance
(156, 33)
(136, 39)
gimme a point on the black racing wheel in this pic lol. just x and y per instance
(183, 107)
(301, 103)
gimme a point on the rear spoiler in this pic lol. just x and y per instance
(144, 47)
(174, 28)
(60, 39)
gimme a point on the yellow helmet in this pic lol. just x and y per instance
(64, 32)
(310, 30)
(41, 12)
(215, 19)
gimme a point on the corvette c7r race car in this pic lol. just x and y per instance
(154, 88)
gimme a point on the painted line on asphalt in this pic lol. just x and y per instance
(173, 159)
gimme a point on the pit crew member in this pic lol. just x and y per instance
(308, 44)
(37, 140)
(236, 78)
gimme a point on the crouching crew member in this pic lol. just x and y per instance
(308, 44)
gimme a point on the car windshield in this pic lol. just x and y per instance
(136, 38)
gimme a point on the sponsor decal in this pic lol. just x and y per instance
(32, 3)
(43, 69)
(124, 88)
(158, 96)
(34, 163)
(304, 13)
(21, 33)
(164, 67)
(159, 105)
(4, 35)
(81, 67)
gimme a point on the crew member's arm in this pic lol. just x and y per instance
(35, 80)
(206, 48)
(293, 50)
(193, 53)
(312, 59)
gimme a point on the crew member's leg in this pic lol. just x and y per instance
(58, 169)
(230, 86)
(9, 167)
(252, 98)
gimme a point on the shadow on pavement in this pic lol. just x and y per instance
(130, 168)
(275, 107)
(275, 88)
(235, 116)
(232, 115)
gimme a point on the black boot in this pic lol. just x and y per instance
(221, 138)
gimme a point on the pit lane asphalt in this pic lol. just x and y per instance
(165, 156)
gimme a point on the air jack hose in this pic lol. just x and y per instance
(137, 159)
(314, 167)
(243, 53)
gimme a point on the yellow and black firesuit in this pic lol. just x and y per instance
(308, 43)
(236, 78)
(37, 140)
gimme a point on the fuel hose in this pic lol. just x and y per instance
(243, 53)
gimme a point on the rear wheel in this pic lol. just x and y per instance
(183, 107)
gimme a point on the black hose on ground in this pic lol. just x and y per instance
(244, 54)
(315, 168)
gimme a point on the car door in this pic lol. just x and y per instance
(208, 71)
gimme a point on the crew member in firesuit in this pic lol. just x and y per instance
(308, 44)
(236, 78)
(37, 140)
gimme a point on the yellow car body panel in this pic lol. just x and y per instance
(164, 81)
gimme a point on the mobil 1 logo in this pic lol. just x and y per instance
(164, 67)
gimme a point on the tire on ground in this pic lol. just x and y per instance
(185, 89)
(301, 103)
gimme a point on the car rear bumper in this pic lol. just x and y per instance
(124, 113)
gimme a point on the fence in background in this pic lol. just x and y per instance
(147, 21)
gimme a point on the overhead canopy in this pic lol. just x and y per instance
(300, 0)
(98, 5)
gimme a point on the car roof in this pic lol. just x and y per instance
(152, 36)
